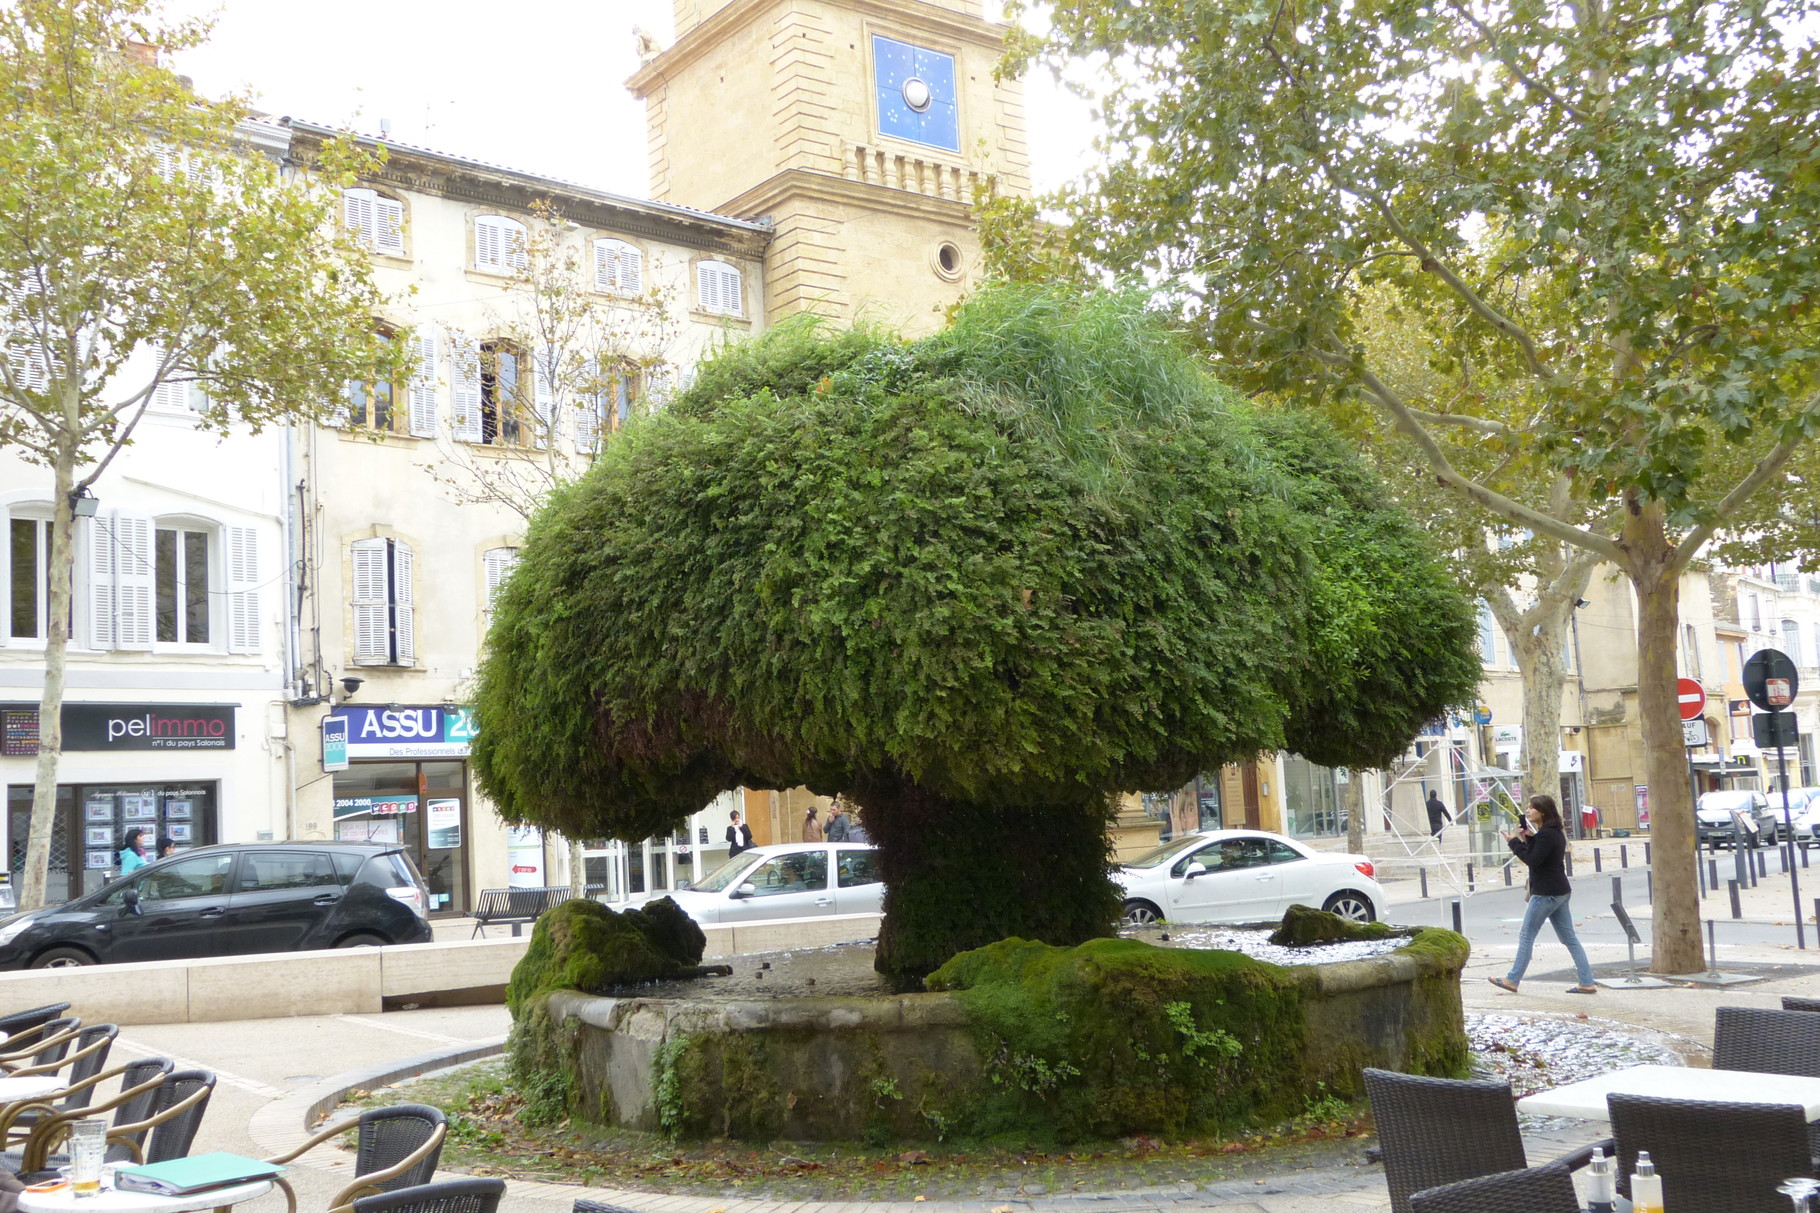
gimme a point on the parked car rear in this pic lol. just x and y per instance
(231, 900)
(1716, 825)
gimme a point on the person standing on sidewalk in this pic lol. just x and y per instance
(1542, 845)
(812, 826)
(1438, 816)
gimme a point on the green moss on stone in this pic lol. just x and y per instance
(582, 945)
(1305, 926)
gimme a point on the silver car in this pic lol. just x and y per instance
(785, 880)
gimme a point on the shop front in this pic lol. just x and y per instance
(95, 812)
(404, 780)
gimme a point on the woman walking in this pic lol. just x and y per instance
(132, 851)
(1542, 845)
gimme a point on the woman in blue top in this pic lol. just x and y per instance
(132, 851)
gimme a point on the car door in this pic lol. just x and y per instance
(181, 911)
(784, 886)
(1306, 881)
(281, 901)
(1239, 884)
(857, 888)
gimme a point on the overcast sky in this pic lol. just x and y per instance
(537, 85)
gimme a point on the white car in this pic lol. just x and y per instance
(1245, 876)
(784, 880)
(1804, 809)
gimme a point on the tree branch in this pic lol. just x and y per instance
(1483, 425)
(1766, 469)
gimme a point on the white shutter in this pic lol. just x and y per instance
(388, 226)
(100, 535)
(489, 243)
(718, 289)
(135, 577)
(422, 392)
(544, 368)
(587, 424)
(467, 390)
(168, 161)
(513, 244)
(402, 618)
(617, 267)
(370, 603)
(358, 206)
(243, 589)
(498, 563)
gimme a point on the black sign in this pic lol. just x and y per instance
(1773, 730)
(127, 726)
(1630, 931)
(1770, 679)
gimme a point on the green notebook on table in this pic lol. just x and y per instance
(199, 1173)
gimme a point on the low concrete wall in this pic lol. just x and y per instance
(346, 981)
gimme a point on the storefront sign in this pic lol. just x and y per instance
(334, 743)
(406, 732)
(444, 824)
(124, 726)
(524, 857)
(373, 806)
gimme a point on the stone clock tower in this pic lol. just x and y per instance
(860, 128)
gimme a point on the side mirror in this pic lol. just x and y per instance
(130, 899)
(746, 890)
(1195, 869)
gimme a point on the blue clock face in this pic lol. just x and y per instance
(916, 94)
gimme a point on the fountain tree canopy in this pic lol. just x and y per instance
(1000, 574)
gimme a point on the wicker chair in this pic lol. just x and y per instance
(1769, 1042)
(25, 1021)
(177, 1115)
(47, 1047)
(398, 1147)
(449, 1196)
(1800, 1004)
(1548, 1189)
(1436, 1131)
(1714, 1157)
(599, 1206)
(140, 1082)
(92, 1047)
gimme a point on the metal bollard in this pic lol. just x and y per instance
(1623, 855)
(1617, 889)
(1712, 871)
(1423, 872)
(1469, 878)
(1570, 861)
(1506, 875)
(1458, 925)
(1598, 862)
(1649, 886)
(1646, 854)
(1804, 851)
(1712, 947)
(1737, 905)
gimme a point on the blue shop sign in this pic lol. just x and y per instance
(407, 732)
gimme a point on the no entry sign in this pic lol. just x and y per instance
(1692, 696)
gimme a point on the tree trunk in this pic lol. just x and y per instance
(1542, 661)
(1675, 929)
(578, 870)
(960, 875)
(36, 877)
(1355, 811)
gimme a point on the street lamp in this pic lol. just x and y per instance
(83, 503)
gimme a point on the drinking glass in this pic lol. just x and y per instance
(1798, 1191)
(88, 1149)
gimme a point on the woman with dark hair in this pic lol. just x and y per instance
(1542, 844)
(166, 847)
(132, 851)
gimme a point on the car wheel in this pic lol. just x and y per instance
(62, 958)
(362, 941)
(1141, 914)
(1354, 907)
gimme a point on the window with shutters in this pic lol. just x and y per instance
(499, 244)
(610, 409)
(618, 268)
(375, 221)
(384, 626)
(496, 564)
(175, 393)
(507, 407)
(718, 289)
(27, 570)
(181, 580)
(1791, 641)
(375, 406)
(170, 581)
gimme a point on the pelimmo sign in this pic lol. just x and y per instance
(143, 726)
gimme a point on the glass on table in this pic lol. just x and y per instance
(88, 1150)
(1799, 1191)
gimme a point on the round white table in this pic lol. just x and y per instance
(112, 1200)
(32, 1086)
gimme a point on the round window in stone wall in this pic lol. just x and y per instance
(948, 260)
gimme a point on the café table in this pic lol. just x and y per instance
(113, 1200)
(1585, 1100)
(32, 1086)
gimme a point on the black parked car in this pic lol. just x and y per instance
(230, 900)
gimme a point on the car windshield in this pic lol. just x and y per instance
(1725, 801)
(1166, 852)
(722, 878)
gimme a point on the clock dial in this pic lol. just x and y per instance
(916, 94)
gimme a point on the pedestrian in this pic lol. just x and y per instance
(167, 847)
(1541, 844)
(812, 826)
(856, 831)
(1438, 816)
(739, 835)
(838, 825)
(132, 851)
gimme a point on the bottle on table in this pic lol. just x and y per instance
(1645, 1186)
(1603, 1194)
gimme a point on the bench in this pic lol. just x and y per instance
(497, 907)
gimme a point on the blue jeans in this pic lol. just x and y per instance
(1549, 909)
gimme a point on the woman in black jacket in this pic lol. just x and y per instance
(1543, 846)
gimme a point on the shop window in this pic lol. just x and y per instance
(375, 221)
(1311, 796)
(499, 244)
(618, 268)
(28, 583)
(384, 631)
(91, 823)
(718, 289)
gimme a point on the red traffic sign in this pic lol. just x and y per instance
(1692, 696)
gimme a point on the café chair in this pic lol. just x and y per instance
(92, 1047)
(448, 1196)
(1769, 1042)
(1713, 1157)
(140, 1081)
(599, 1206)
(25, 1021)
(1548, 1189)
(177, 1114)
(398, 1147)
(49, 1043)
(1791, 1003)
(1435, 1131)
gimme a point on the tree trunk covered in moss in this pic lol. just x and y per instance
(960, 875)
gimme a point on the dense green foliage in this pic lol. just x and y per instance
(583, 945)
(1028, 563)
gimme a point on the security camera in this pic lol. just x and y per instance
(351, 683)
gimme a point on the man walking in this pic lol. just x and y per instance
(837, 822)
(1438, 816)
